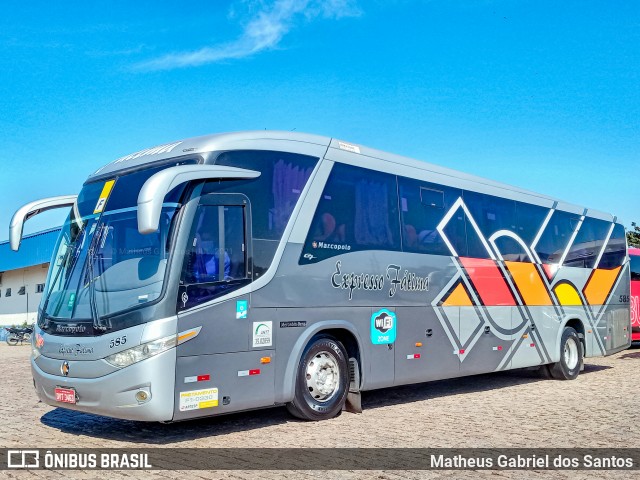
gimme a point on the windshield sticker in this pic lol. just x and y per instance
(405, 281)
(383, 327)
(241, 309)
(102, 200)
(72, 301)
(262, 334)
(197, 399)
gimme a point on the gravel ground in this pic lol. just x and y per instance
(510, 409)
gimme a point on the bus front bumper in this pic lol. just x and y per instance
(114, 395)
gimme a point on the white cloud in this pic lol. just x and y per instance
(269, 22)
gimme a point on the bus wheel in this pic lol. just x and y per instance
(570, 356)
(322, 380)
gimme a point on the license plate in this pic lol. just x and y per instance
(65, 395)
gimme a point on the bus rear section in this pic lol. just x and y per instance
(634, 261)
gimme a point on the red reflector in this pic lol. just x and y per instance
(203, 378)
(416, 355)
(532, 345)
(461, 351)
(499, 347)
(254, 372)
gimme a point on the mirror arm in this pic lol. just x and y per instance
(156, 188)
(32, 209)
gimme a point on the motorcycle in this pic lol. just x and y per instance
(18, 334)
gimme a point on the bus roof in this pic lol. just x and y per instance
(203, 145)
(252, 140)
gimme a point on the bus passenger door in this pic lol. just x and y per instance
(220, 362)
(217, 261)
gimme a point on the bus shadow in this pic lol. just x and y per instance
(459, 385)
(150, 433)
(628, 356)
(155, 433)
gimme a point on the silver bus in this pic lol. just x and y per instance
(244, 270)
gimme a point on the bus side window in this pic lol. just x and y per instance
(556, 236)
(215, 262)
(616, 250)
(529, 219)
(358, 210)
(423, 206)
(212, 257)
(635, 267)
(202, 257)
(588, 243)
(491, 214)
(327, 229)
(273, 195)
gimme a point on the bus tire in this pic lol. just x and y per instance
(322, 380)
(568, 367)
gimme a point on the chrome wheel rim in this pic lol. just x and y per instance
(571, 353)
(323, 376)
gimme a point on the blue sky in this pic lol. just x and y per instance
(540, 94)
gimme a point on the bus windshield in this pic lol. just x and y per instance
(102, 264)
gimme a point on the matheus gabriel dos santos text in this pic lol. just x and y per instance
(532, 461)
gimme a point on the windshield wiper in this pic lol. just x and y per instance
(46, 300)
(98, 323)
(67, 264)
(64, 260)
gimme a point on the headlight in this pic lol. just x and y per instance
(35, 338)
(141, 352)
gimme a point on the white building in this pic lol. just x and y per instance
(22, 276)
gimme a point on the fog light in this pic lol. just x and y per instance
(142, 396)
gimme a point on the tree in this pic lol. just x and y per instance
(633, 236)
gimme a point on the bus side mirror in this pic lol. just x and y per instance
(32, 209)
(152, 193)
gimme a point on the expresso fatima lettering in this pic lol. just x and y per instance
(404, 281)
(409, 282)
(356, 281)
